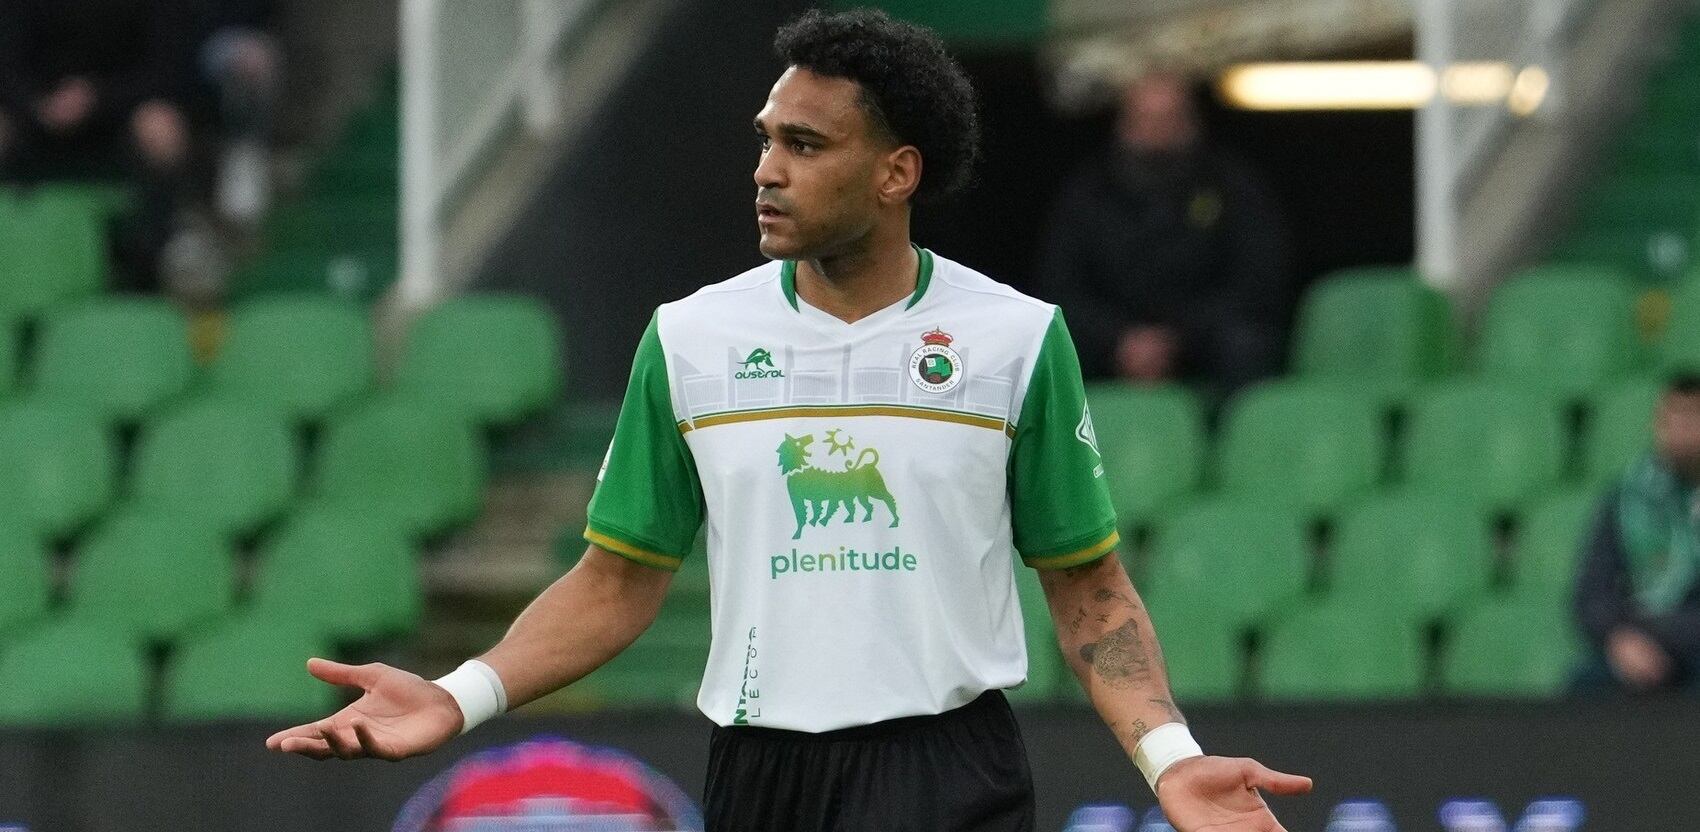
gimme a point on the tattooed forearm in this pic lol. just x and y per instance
(1107, 636)
(1120, 658)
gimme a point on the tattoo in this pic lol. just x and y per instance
(1079, 617)
(1168, 707)
(1120, 657)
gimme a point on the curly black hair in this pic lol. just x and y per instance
(911, 87)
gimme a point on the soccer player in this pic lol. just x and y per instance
(870, 432)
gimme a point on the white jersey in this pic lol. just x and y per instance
(866, 487)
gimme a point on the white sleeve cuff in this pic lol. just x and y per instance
(1164, 746)
(477, 690)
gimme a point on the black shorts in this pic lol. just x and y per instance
(964, 769)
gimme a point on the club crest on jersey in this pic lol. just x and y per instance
(934, 366)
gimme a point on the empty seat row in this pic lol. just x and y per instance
(1320, 446)
(341, 573)
(235, 465)
(1570, 330)
(77, 672)
(485, 358)
(1419, 557)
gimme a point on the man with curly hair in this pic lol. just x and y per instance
(857, 668)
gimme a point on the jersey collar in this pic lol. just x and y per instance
(924, 276)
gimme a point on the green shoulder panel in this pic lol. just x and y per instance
(648, 502)
(1059, 502)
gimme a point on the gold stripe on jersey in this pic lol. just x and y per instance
(892, 410)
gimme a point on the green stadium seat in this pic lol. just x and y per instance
(1561, 329)
(52, 250)
(403, 461)
(122, 356)
(251, 667)
(60, 465)
(231, 464)
(1548, 545)
(1048, 676)
(1680, 349)
(152, 575)
(1497, 445)
(25, 585)
(1245, 561)
(69, 673)
(1201, 649)
(1380, 330)
(1340, 652)
(1314, 446)
(1416, 555)
(490, 358)
(1152, 441)
(1619, 429)
(306, 354)
(348, 576)
(1511, 649)
(663, 667)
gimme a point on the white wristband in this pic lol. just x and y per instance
(1164, 746)
(477, 690)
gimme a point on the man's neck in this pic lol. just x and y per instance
(856, 284)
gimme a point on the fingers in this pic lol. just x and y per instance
(369, 743)
(1259, 776)
(312, 747)
(342, 740)
(347, 675)
(275, 741)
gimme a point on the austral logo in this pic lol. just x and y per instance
(759, 358)
(934, 366)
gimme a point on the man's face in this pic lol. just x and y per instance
(822, 163)
(1157, 115)
(1676, 431)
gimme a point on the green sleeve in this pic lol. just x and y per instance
(648, 501)
(1060, 506)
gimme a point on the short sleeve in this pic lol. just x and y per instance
(648, 502)
(1059, 503)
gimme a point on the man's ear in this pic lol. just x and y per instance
(902, 175)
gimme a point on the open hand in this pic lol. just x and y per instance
(400, 715)
(1219, 794)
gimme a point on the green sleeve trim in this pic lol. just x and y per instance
(1099, 547)
(1060, 510)
(633, 552)
(648, 502)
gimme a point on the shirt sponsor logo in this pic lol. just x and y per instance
(846, 559)
(758, 358)
(934, 366)
(818, 493)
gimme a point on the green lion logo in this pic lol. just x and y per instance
(818, 493)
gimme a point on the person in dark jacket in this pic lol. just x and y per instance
(95, 88)
(1638, 588)
(1168, 256)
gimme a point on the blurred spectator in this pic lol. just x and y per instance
(1638, 590)
(1168, 257)
(93, 89)
(240, 69)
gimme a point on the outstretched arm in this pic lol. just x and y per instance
(1107, 638)
(580, 622)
